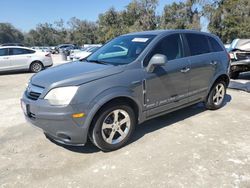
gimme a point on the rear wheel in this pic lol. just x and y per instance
(216, 96)
(113, 127)
(36, 67)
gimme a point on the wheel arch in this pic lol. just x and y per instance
(223, 77)
(108, 100)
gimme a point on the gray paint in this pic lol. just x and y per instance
(169, 87)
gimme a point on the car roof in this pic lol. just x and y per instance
(160, 32)
(21, 47)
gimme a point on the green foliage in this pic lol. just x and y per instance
(229, 19)
(8, 33)
(182, 15)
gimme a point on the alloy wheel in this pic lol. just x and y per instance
(116, 126)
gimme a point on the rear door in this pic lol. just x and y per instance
(20, 58)
(202, 64)
(167, 86)
(4, 59)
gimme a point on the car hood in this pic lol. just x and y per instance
(75, 73)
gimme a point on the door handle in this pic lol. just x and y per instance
(6, 58)
(28, 56)
(213, 63)
(184, 70)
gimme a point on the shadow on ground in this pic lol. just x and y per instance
(13, 73)
(150, 126)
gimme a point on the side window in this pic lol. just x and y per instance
(216, 47)
(20, 51)
(4, 52)
(198, 44)
(170, 46)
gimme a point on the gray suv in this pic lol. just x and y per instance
(131, 79)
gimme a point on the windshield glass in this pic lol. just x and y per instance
(121, 50)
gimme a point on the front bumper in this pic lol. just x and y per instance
(56, 122)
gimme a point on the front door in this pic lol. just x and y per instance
(167, 86)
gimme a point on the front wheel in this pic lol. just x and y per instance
(113, 127)
(216, 96)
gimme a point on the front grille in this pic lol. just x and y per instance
(33, 95)
(242, 56)
(33, 92)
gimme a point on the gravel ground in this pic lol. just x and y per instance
(191, 147)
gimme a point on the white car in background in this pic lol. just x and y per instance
(83, 54)
(22, 58)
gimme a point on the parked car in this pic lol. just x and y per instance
(83, 54)
(68, 49)
(12, 44)
(22, 58)
(106, 96)
(59, 48)
(240, 57)
(42, 48)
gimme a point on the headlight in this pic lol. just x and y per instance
(61, 95)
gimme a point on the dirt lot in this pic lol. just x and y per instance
(192, 147)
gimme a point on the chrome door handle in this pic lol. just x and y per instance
(213, 63)
(29, 56)
(184, 70)
(6, 58)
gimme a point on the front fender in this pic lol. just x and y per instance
(107, 96)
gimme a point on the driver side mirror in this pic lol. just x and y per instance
(156, 60)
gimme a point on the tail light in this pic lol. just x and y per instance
(48, 55)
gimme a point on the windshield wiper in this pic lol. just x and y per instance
(97, 61)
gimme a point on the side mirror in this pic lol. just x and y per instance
(156, 60)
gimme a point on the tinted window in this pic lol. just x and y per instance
(198, 44)
(20, 51)
(216, 47)
(170, 46)
(4, 52)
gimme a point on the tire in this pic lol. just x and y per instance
(36, 67)
(113, 126)
(216, 96)
(234, 75)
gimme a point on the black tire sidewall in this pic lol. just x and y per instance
(96, 132)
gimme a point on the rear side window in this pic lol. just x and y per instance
(20, 51)
(216, 47)
(198, 44)
(171, 46)
(4, 52)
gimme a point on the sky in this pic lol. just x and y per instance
(26, 14)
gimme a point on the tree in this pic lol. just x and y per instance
(182, 15)
(140, 15)
(81, 31)
(229, 19)
(42, 35)
(110, 25)
(8, 33)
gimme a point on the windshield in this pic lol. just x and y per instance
(121, 50)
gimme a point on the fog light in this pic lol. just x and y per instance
(79, 115)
